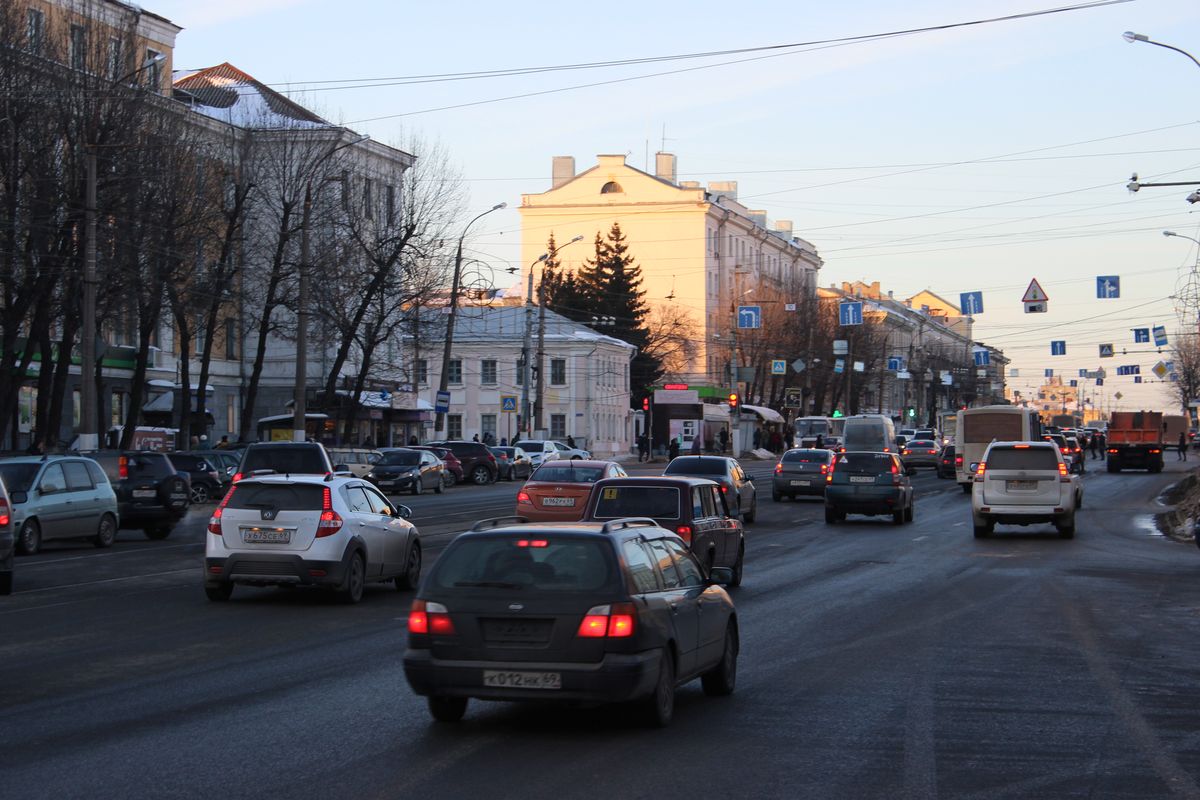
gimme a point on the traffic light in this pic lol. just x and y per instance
(733, 401)
(912, 413)
(645, 404)
(837, 412)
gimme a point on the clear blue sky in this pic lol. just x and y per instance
(967, 159)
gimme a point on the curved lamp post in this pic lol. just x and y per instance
(1130, 36)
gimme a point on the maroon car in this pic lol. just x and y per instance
(454, 467)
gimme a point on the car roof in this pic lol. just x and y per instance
(38, 459)
(606, 528)
(577, 462)
(286, 478)
(1030, 444)
(658, 480)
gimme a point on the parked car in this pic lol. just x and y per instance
(948, 462)
(869, 483)
(729, 475)
(558, 491)
(454, 470)
(478, 463)
(309, 530)
(151, 494)
(602, 612)
(1024, 483)
(920, 453)
(8, 541)
(512, 463)
(403, 469)
(59, 497)
(358, 460)
(694, 508)
(801, 471)
(226, 461)
(285, 458)
(540, 450)
(207, 482)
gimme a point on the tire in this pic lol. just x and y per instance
(910, 512)
(417, 486)
(1113, 467)
(739, 567)
(830, 516)
(29, 538)
(898, 517)
(106, 533)
(199, 494)
(659, 707)
(481, 476)
(983, 531)
(412, 569)
(219, 593)
(157, 532)
(175, 485)
(448, 479)
(441, 486)
(721, 680)
(351, 589)
(6, 583)
(447, 709)
(1066, 530)
(753, 513)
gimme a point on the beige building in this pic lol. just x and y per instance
(702, 253)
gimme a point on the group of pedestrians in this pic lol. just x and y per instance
(1096, 446)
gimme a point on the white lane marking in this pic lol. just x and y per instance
(191, 570)
(113, 553)
(919, 538)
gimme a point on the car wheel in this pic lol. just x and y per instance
(1066, 529)
(1113, 467)
(199, 493)
(898, 517)
(351, 589)
(173, 493)
(1078, 502)
(984, 529)
(412, 570)
(659, 707)
(441, 486)
(29, 539)
(909, 512)
(481, 476)
(219, 593)
(738, 567)
(830, 516)
(106, 534)
(721, 679)
(417, 486)
(966, 487)
(776, 496)
(753, 512)
(447, 709)
(157, 532)
(576, 458)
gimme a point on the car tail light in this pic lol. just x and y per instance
(724, 489)
(430, 618)
(1063, 475)
(824, 469)
(5, 516)
(778, 467)
(237, 476)
(214, 522)
(979, 471)
(958, 461)
(684, 532)
(523, 497)
(616, 621)
(906, 452)
(123, 468)
(331, 521)
(532, 543)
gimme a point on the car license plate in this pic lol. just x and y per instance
(862, 478)
(1020, 485)
(801, 483)
(558, 501)
(522, 680)
(266, 536)
(143, 493)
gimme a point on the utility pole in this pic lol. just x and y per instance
(300, 400)
(523, 428)
(89, 434)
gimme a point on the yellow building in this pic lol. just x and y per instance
(702, 253)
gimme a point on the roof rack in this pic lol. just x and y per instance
(627, 522)
(497, 522)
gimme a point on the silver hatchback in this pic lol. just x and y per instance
(59, 497)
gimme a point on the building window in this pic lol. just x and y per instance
(558, 426)
(422, 369)
(35, 30)
(612, 187)
(78, 47)
(558, 372)
(368, 199)
(454, 426)
(455, 371)
(487, 427)
(153, 69)
(391, 203)
(487, 371)
(114, 58)
(231, 337)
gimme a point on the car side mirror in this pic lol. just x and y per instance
(19, 497)
(720, 576)
(404, 512)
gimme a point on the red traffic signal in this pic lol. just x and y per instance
(733, 400)
(645, 404)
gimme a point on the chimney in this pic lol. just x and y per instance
(723, 189)
(563, 169)
(759, 218)
(784, 228)
(664, 166)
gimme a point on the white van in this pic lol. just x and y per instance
(872, 433)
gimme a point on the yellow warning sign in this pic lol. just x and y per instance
(1035, 293)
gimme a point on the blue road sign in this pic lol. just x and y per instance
(1083, 373)
(1160, 336)
(1074, 382)
(508, 402)
(1137, 378)
(1141, 335)
(1106, 351)
(1058, 347)
(1108, 286)
(839, 365)
(442, 405)
(982, 357)
(850, 313)
(778, 366)
(895, 363)
(971, 302)
(749, 316)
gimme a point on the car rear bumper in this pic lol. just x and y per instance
(272, 569)
(878, 500)
(783, 484)
(563, 514)
(1024, 515)
(615, 679)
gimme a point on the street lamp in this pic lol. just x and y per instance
(299, 399)
(454, 282)
(541, 381)
(1131, 37)
(89, 425)
(1181, 236)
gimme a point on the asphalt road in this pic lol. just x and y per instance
(877, 661)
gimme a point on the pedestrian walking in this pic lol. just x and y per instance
(1094, 446)
(643, 445)
(1103, 446)
(673, 449)
(757, 438)
(1183, 445)
(724, 436)
(571, 442)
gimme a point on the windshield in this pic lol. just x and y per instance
(811, 427)
(656, 502)
(18, 477)
(866, 436)
(399, 458)
(543, 563)
(696, 465)
(532, 445)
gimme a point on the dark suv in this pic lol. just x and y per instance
(478, 462)
(601, 612)
(208, 483)
(284, 458)
(151, 493)
(870, 483)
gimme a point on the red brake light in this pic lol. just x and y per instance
(331, 521)
(684, 532)
(237, 476)
(616, 621)
(983, 468)
(523, 497)
(5, 517)
(532, 543)
(214, 522)
(958, 461)
(434, 618)
(824, 469)
(1063, 475)
(778, 467)
(123, 467)
(724, 489)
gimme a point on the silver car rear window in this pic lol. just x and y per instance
(1041, 458)
(282, 497)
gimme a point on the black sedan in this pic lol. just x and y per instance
(735, 484)
(404, 470)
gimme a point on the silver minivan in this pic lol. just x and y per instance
(59, 497)
(869, 433)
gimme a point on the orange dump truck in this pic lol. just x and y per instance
(1135, 441)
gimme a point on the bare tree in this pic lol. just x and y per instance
(1187, 366)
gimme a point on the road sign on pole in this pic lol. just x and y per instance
(1058, 347)
(971, 302)
(1106, 351)
(778, 366)
(442, 405)
(1141, 335)
(1108, 286)
(749, 317)
(508, 403)
(850, 313)
(798, 365)
(1160, 336)
(1035, 293)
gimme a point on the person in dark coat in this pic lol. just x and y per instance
(724, 437)
(643, 445)
(758, 438)
(1183, 445)
(571, 442)
(673, 449)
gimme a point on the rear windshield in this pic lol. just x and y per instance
(867, 436)
(922, 443)
(18, 477)
(285, 459)
(874, 463)
(658, 502)
(988, 427)
(400, 458)
(289, 497)
(806, 456)
(1022, 458)
(544, 563)
(696, 466)
(557, 472)
(148, 465)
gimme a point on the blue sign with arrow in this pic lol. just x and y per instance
(971, 302)
(1058, 347)
(749, 317)
(1108, 286)
(1141, 335)
(982, 357)
(850, 313)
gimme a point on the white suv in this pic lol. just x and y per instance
(1024, 483)
(335, 532)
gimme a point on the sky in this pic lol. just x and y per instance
(968, 158)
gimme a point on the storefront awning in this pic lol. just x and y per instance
(764, 413)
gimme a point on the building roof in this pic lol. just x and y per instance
(226, 93)
(507, 323)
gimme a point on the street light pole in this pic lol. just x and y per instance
(541, 379)
(454, 286)
(1131, 37)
